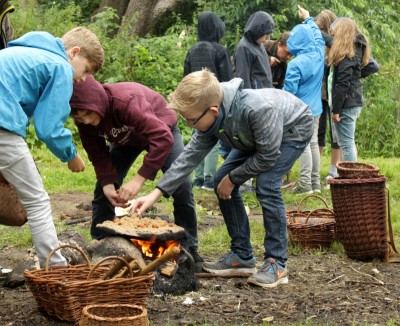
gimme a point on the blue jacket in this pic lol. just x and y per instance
(305, 72)
(36, 82)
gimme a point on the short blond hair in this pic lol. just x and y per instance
(89, 44)
(197, 91)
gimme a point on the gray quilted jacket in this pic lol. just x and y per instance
(256, 121)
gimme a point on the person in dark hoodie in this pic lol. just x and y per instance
(267, 130)
(208, 53)
(349, 61)
(132, 119)
(37, 71)
(250, 59)
(304, 79)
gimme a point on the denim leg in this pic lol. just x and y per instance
(184, 206)
(122, 158)
(233, 210)
(315, 156)
(268, 191)
(345, 130)
(199, 171)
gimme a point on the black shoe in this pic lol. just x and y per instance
(197, 259)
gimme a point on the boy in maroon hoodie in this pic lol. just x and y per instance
(116, 123)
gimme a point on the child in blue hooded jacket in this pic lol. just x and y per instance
(37, 72)
(303, 78)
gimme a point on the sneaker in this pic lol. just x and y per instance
(270, 275)
(208, 185)
(198, 183)
(197, 259)
(328, 178)
(298, 190)
(231, 264)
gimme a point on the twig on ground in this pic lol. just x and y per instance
(336, 278)
(365, 274)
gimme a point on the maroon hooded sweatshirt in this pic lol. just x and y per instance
(131, 115)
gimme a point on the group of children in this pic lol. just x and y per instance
(266, 129)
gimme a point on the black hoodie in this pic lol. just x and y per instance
(5, 8)
(207, 53)
(251, 59)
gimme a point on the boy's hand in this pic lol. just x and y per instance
(142, 203)
(76, 164)
(130, 189)
(274, 61)
(303, 13)
(225, 187)
(112, 196)
(336, 118)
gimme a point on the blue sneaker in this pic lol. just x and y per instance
(270, 275)
(198, 183)
(231, 264)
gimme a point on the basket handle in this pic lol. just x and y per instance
(109, 258)
(318, 210)
(46, 266)
(310, 196)
(392, 247)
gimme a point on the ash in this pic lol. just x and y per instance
(183, 281)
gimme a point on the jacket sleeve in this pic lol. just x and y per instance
(52, 111)
(371, 68)
(186, 65)
(318, 39)
(342, 79)
(225, 66)
(243, 61)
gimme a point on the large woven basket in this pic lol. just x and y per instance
(63, 291)
(357, 170)
(311, 228)
(360, 213)
(114, 315)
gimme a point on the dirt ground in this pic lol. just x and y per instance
(323, 289)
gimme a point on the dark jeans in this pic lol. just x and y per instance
(268, 191)
(184, 207)
(324, 119)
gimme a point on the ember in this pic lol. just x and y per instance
(154, 248)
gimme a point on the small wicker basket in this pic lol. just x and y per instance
(357, 170)
(114, 315)
(311, 228)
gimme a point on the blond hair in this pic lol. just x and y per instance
(89, 44)
(197, 91)
(324, 20)
(346, 31)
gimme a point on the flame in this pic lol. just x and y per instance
(154, 248)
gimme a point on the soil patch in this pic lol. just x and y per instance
(323, 289)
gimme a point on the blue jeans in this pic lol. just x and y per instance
(345, 131)
(205, 171)
(184, 207)
(268, 192)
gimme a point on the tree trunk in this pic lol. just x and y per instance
(119, 5)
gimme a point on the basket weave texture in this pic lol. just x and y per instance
(11, 210)
(114, 315)
(63, 291)
(357, 170)
(360, 213)
(311, 228)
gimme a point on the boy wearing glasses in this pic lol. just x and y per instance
(267, 130)
(116, 123)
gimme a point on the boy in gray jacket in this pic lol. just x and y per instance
(267, 130)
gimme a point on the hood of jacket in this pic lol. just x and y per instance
(210, 27)
(301, 40)
(5, 7)
(90, 95)
(260, 23)
(41, 40)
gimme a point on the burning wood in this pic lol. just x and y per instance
(173, 252)
(169, 269)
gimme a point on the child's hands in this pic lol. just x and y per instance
(225, 187)
(130, 189)
(336, 118)
(303, 13)
(112, 196)
(76, 164)
(142, 203)
(274, 61)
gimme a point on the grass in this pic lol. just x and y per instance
(57, 178)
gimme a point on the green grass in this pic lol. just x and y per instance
(57, 179)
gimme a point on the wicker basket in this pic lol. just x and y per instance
(63, 291)
(114, 315)
(357, 170)
(311, 229)
(360, 212)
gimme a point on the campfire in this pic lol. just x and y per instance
(154, 248)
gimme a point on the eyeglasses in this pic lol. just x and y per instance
(192, 122)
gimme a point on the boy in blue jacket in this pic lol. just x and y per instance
(37, 72)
